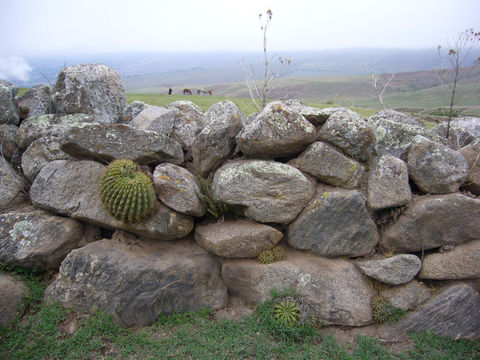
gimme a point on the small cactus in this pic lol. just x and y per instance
(278, 253)
(384, 312)
(266, 257)
(287, 311)
(126, 192)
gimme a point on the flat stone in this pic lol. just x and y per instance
(76, 194)
(335, 223)
(388, 184)
(155, 118)
(447, 314)
(39, 240)
(177, 188)
(463, 262)
(435, 168)
(335, 290)
(329, 166)
(395, 270)
(137, 282)
(119, 141)
(433, 221)
(240, 238)
(277, 131)
(395, 116)
(266, 191)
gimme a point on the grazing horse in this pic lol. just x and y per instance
(187, 92)
(209, 92)
(204, 92)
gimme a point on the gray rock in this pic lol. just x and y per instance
(187, 122)
(329, 166)
(447, 314)
(39, 154)
(177, 188)
(434, 221)
(463, 131)
(133, 109)
(334, 223)
(94, 89)
(267, 191)
(435, 168)
(315, 116)
(12, 294)
(119, 141)
(395, 116)
(463, 262)
(239, 238)
(349, 132)
(408, 296)
(155, 118)
(76, 194)
(136, 283)
(395, 270)
(388, 183)
(471, 154)
(216, 141)
(39, 240)
(8, 146)
(277, 131)
(13, 186)
(8, 106)
(394, 138)
(334, 289)
(36, 101)
(49, 125)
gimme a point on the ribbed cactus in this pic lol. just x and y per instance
(278, 253)
(266, 257)
(126, 192)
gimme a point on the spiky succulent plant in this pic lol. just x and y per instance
(266, 257)
(287, 311)
(384, 312)
(126, 192)
(278, 253)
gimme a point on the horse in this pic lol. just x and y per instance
(187, 92)
(209, 92)
(204, 92)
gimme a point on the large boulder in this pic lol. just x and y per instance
(335, 223)
(12, 295)
(177, 188)
(471, 154)
(316, 116)
(132, 110)
(39, 240)
(277, 131)
(395, 116)
(453, 313)
(8, 105)
(119, 141)
(266, 191)
(216, 141)
(394, 138)
(240, 238)
(40, 153)
(49, 125)
(408, 296)
(187, 122)
(435, 168)
(433, 221)
(138, 282)
(71, 188)
(94, 89)
(463, 262)
(13, 186)
(329, 166)
(463, 131)
(388, 184)
(334, 289)
(155, 118)
(36, 101)
(395, 270)
(8, 146)
(349, 132)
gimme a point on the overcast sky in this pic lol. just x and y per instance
(45, 27)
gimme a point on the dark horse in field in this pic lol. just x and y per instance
(187, 92)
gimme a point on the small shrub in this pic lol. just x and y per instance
(126, 192)
(384, 312)
(214, 207)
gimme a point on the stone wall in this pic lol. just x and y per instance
(361, 208)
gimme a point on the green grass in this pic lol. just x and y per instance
(199, 335)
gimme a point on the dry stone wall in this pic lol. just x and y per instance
(362, 208)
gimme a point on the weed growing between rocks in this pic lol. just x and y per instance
(384, 312)
(214, 207)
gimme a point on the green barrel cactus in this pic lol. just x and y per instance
(266, 257)
(126, 192)
(278, 253)
(287, 311)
